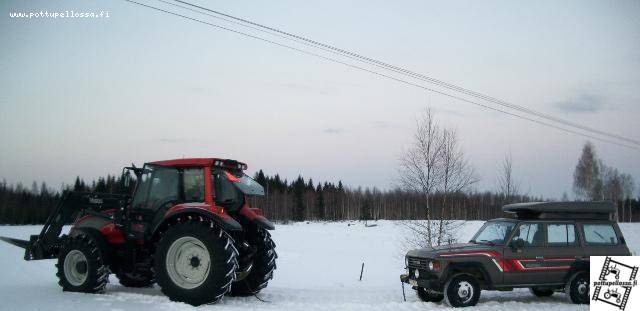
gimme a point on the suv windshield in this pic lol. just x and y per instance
(493, 232)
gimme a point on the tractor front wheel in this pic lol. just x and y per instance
(195, 262)
(81, 266)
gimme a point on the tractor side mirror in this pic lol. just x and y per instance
(127, 180)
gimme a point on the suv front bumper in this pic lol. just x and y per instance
(419, 282)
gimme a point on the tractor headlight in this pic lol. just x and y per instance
(416, 273)
(430, 264)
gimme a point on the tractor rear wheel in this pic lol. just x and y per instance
(81, 266)
(136, 279)
(264, 262)
(195, 262)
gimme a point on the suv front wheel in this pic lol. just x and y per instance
(462, 290)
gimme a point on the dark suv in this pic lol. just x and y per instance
(546, 248)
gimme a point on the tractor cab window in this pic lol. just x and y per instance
(158, 186)
(224, 192)
(193, 183)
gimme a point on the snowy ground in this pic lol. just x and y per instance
(318, 269)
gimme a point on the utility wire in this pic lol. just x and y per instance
(383, 75)
(403, 71)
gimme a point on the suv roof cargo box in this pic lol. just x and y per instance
(561, 210)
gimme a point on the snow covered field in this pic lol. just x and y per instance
(318, 269)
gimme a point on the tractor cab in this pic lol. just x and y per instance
(219, 182)
(217, 186)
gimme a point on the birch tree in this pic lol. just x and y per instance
(507, 185)
(433, 162)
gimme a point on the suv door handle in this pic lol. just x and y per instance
(539, 258)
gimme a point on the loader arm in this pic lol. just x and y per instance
(47, 244)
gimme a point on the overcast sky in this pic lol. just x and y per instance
(88, 96)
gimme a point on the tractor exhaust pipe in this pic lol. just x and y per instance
(19, 243)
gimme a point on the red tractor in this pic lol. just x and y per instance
(188, 226)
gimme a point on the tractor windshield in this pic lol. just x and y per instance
(231, 187)
(245, 184)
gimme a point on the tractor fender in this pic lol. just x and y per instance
(254, 216)
(97, 237)
(103, 225)
(222, 220)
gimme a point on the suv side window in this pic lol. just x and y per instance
(599, 234)
(561, 234)
(193, 182)
(530, 233)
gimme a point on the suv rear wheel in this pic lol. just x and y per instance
(541, 291)
(428, 295)
(462, 290)
(577, 289)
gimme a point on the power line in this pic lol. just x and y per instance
(383, 75)
(407, 72)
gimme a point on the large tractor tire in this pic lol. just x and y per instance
(264, 263)
(195, 262)
(81, 266)
(136, 279)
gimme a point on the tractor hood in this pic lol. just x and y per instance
(447, 249)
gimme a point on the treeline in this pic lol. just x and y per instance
(296, 200)
(303, 200)
(21, 205)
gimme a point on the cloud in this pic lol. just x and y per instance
(382, 124)
(308, 88)
(171, 140)
(583, 103)
(334, 130)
